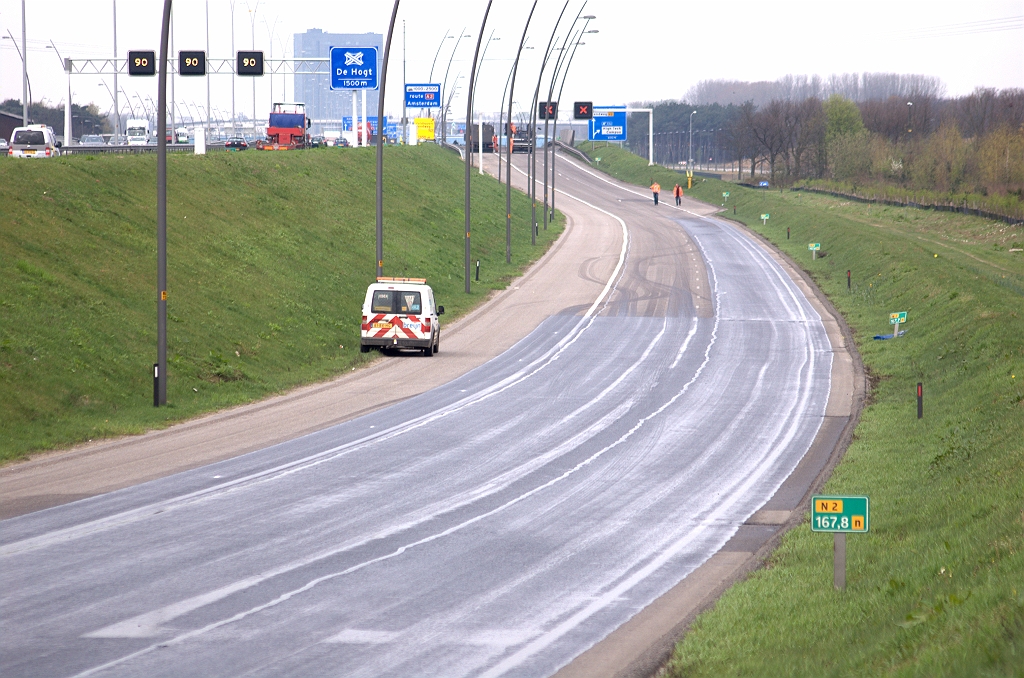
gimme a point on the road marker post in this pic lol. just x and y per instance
(920, 400)
(895, 319)
(847, 280)
(839, 515)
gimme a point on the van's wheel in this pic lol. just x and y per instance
(437, 343)
(364, 348)
(429, 351)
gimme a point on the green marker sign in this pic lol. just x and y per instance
(839, 514)
(765, 217)
(814, 246)
(725, 194)
(897, 318)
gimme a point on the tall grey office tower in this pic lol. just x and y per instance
(315, 90)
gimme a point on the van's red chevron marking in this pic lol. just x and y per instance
(397, 325)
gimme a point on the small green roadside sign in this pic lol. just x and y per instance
(839, 514)
(765, 217)
(725, 194)
(814, 246)
(897, 318)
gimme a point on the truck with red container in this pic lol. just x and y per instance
(287, 128)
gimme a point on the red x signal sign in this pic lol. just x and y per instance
(583, 110)
(547, 110)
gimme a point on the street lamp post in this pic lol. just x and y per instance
(26, 96)
(533, 150)
(569, 37)
(508, 143)
(380, 144)
(117, 109)
(554, 128)
(689, 158)
(160, 369)
(444, 85)
(469, 127)
(24, 67)
(480, 131)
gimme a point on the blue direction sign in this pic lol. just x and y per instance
(608, 123)
(354, 68)
(424, 95)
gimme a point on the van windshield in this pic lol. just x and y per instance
(29, 137)
(396, 301)
(136, 131)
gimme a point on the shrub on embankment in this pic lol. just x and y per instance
(937, 587)
(269, 255)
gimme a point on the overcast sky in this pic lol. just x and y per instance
(646, 50)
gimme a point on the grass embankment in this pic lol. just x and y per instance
(269, 256)
(937, 587)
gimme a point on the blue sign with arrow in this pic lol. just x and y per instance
(354, 68)
(608, 124)
(423, 95)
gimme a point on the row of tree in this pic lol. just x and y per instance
(973, 143)
(84, 119)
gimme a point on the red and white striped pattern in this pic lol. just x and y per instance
(387, 325)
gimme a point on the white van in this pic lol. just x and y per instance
(34, 141)
(400, 313)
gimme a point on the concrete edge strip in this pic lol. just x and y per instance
(644, 644)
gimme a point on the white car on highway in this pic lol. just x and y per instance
(34, 141)
(400, 313)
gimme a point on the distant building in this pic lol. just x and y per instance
(315, 90)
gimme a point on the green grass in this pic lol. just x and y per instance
(269, 255)
(937, 587)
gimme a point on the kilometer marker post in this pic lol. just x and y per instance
(839, 515)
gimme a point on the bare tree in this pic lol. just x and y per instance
(769, 127)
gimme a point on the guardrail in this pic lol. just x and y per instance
(133, 150)
(573, 150)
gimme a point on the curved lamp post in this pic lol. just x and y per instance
(533, 128)
(444, 85)
(469, 125)
(554, 128)
(380, 144)
(551, 92)
(508, 143)
(689, 158)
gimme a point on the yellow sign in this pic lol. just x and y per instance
(828, 505)
(424, 129)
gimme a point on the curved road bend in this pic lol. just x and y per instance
(497, 525)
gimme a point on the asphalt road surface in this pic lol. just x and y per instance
(500, 524)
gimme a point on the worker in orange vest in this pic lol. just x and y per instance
(678, 193)
(655, 189)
